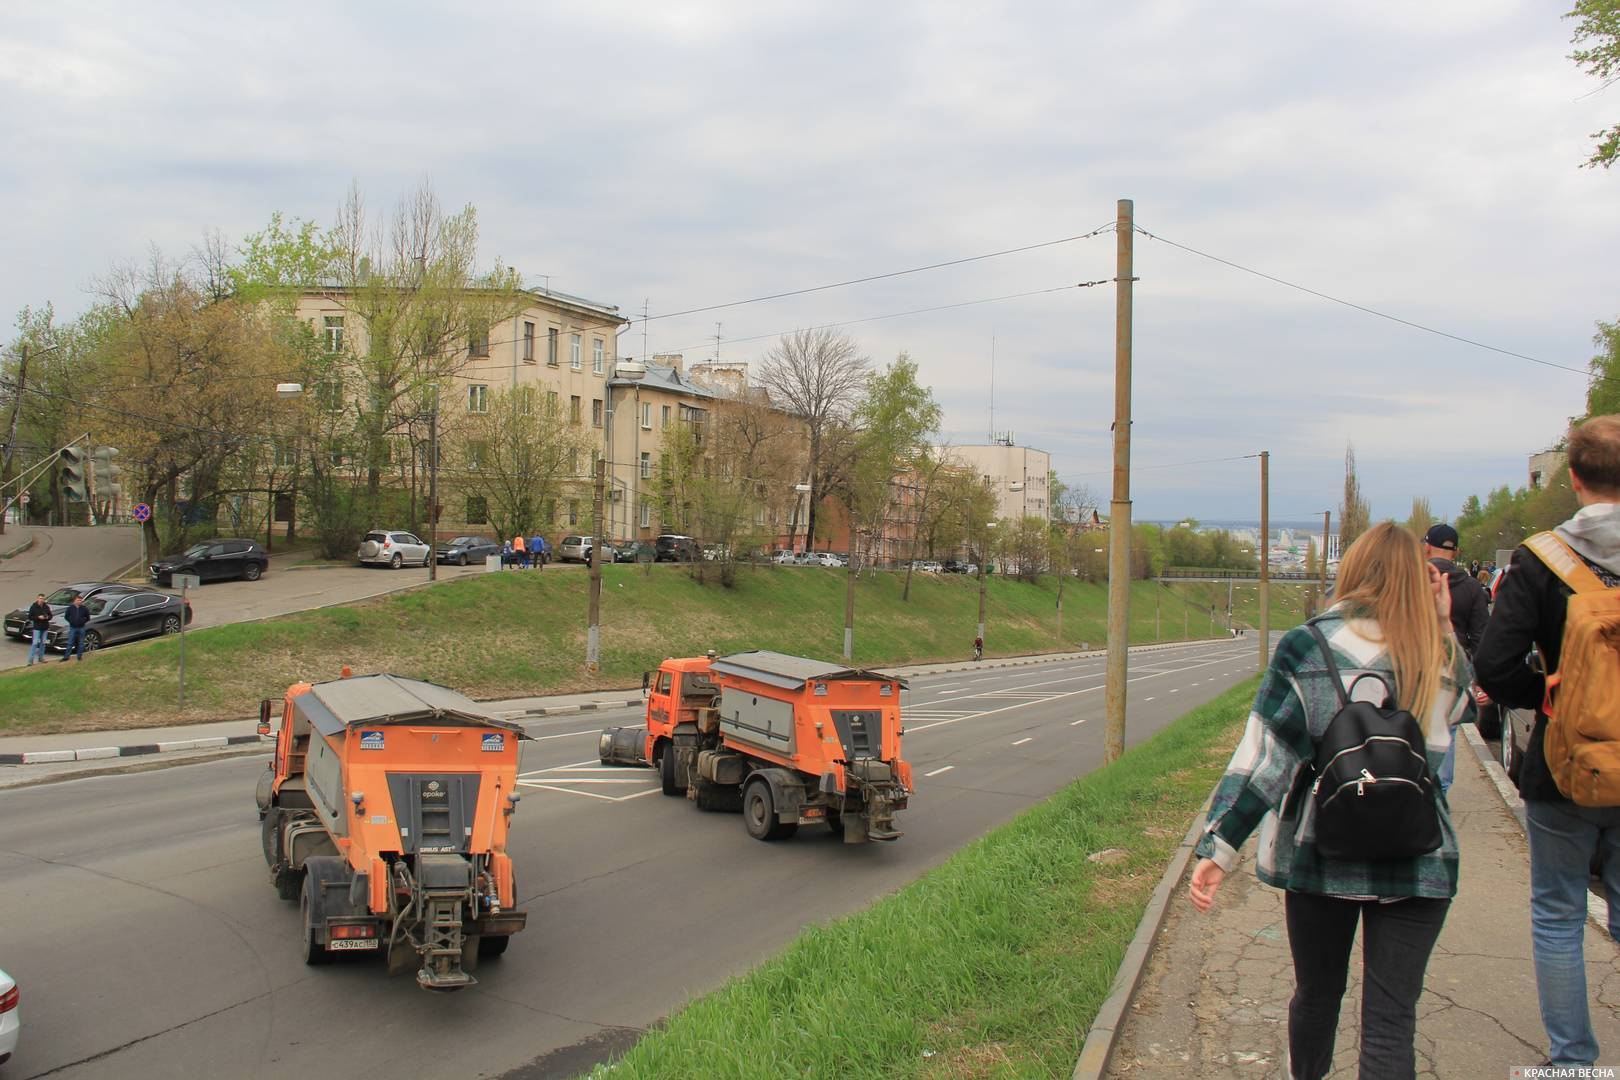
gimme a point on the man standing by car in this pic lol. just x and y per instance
(537, 551)
(77, 616)
(39, 624)
(1470, 608)
(1531, 605)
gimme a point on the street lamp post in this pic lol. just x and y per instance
(631, 371)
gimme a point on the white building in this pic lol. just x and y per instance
(1016, 473)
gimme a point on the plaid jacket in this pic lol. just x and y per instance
(1295, 704)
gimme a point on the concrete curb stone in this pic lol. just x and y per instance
(13, 552)
(93, 753)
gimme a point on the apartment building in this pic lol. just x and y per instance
(1017, 474)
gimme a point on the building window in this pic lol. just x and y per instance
(477, 510)
(596, 412)
(596, 355)
(759, 516)
(478, 398)
(528, 343)
(663, 423)
(478, 342)
(551, 403)
(525, 399)
(573, 512)
(573, 351)
(573, 465)
(284, 454)
(476, 453)
(334, 333)
(646, 509)
(646, 416)
(646, 465)
(329, 392)
(573, 408)
(551, 345)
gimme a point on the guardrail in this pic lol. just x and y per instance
(1237, 575)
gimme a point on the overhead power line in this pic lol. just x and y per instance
(1372, 311)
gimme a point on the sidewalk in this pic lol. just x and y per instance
(1213, 1000)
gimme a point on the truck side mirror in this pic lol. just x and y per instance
(264, 716)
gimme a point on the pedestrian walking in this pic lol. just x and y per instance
(506, 554)
(1389, 625)
(39, 624)
(1470, 608)
(1532, 608)
(77, 616)
(537, 551)
(520, 550)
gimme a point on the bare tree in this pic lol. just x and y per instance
(817, 375)
(514, 457)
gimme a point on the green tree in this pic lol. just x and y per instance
(1354, 513)
(1421, 518)
(514, 457)
(1597, 41)
(1603, 394)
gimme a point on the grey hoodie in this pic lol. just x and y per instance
(1594, 533)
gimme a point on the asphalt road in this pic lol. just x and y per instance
(141, 925)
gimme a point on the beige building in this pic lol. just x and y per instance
(1545, 465)
(1018, 474)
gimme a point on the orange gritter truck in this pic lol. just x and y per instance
(785, 739)
(385, 813)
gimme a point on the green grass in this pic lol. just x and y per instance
(521, 634)
(990, 965)
(1288, 600)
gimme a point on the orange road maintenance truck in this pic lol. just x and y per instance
(784, 739)
(385, 813)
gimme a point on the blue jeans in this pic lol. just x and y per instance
(36, 647)
(1563, 840)
(75, 643)
(1448, 767)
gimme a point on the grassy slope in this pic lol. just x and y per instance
(992, 964)
(515, 634)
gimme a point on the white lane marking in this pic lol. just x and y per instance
(1021, 742)
(1175, 690)
(566, 734)
(950, 691)
(1147, 699)
(569, 791)
(1077, 723)
(589, 768)
(936, 772)
(596, 780)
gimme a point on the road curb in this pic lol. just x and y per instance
(12, 553)
(1105, 1027)
(560, 710)
(97, 753)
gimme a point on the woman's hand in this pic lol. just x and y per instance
(1206, 880)
(1442, 595)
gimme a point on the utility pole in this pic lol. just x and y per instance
(433, 486)
(849, 594)
(1119, 525)
(1265, 558)
(1327, 517)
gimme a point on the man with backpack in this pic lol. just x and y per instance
(1559, 599)
(1470, 610)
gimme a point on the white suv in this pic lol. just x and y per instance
(393, 549)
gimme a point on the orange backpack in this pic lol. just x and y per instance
(1582, 744)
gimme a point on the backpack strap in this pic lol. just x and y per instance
(1333, 668)
(1561, 559)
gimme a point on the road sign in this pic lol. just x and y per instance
(142, 512)
(185, 581)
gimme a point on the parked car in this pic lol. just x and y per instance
(928, 566)
(10, 1016)
(214, 560)
(120, 617)
(575, 549)
(17, 621)
(466, 549)
(673, 547)
(783, 557)
(824, 558)
(393, 549)
(634, 551)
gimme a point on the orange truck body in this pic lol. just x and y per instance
(385, 812)
(785, 739)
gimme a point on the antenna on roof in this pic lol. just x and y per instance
(992, 385)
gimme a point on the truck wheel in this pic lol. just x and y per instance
(494, 945)
(759, 814)
(270, 835)
(314, 951)
(835, 822)
(666, 773)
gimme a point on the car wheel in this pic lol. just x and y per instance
(92, 641)
(427, 560)
(314, 951)
(171, 624)
(396, 562)
(251, 571)
(1510, 751)
(461, 560)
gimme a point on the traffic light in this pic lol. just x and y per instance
(106, 471)
(74, 488)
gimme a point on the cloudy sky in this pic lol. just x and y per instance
(1420, 159)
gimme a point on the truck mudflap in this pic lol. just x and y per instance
(623, 746)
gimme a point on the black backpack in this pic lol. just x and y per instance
(1374, 795)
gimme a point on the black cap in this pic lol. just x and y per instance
(1441, 536)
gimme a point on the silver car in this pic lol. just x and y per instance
(394, 549)
(578, 549)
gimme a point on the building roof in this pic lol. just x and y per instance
(667, 379)
(791, 672)
(392, 699)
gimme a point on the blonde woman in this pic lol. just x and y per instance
(1391, 618)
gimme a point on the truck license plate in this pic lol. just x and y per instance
(811, 812)
(340, 944)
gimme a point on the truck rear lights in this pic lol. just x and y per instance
(354, 930)
(9, 999)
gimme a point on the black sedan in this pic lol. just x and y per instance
(17, 621)
(214, 560)
(119, 617)
(466, 549)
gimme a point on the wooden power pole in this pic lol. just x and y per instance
(1119, 524)
(1265, 558)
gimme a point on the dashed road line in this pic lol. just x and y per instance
(1021, 742)
(936, 772)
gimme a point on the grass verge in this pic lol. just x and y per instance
(990, 965)
(523, 634)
